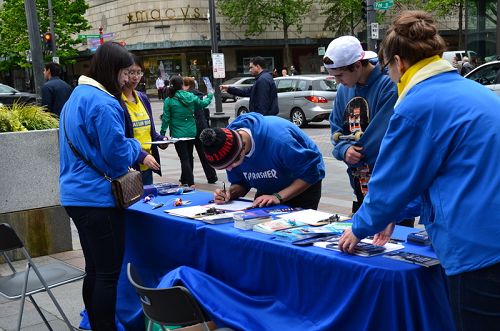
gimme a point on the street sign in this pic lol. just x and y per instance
(321, 50)
(55, 59)
(85, 36)
(383, 5)
(218, 65)
(374, 30)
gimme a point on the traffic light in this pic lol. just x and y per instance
(47, 39)
(217, 31)
(363, 10)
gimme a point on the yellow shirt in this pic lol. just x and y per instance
(140, 122)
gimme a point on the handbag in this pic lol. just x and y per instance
(127, 189)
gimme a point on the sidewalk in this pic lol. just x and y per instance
(336, 197)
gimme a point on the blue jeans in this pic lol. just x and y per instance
(475, 299)
(102, 236)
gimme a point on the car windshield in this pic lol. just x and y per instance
(324, 85)
(7, 89)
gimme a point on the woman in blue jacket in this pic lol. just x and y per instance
(92, 119)
(443, 144)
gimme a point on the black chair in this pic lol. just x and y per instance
(22, 284)
(168, 306)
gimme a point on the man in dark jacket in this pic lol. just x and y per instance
(263, 94)
(55, 92)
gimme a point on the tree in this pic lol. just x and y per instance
(343, 16)
(14, 43)
(257, 15)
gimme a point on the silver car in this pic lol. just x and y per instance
(238, 82)
(488, 75)
(301, 99)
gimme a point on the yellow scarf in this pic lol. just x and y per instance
(420, 71)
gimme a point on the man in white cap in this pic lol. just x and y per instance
(359, 77)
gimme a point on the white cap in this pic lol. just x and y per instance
(346, 50)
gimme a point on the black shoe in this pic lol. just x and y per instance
(213, 180)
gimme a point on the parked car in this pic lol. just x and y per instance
(238, 82)
(488, 75)
(301, 99)
(9, 95)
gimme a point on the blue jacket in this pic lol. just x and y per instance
(444, 146)
(55, 93)
(381, 95)
(129, 131)
(94, 122)
(263, 94)
(282, 154)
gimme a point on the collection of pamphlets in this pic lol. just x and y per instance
(302, 227)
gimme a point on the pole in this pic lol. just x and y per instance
(371, 17)
(35, 45)
(219, 119)
(52, 30)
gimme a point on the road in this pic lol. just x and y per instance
(336, 191)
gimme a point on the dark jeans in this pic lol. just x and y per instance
(475, 299)
(184, 150)
(102, 234)
(147, 177)
(209, 171)
(309, 199)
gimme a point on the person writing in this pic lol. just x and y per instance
(92, 119)
(267, 153)
(444, 146)
(178, 115)
(139, 124)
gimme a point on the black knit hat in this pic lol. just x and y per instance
(222, 146)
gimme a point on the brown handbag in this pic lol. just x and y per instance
(127, 189)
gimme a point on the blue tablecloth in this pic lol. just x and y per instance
(248, 281)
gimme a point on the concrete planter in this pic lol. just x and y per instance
(29, 190)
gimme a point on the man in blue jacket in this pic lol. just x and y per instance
(263, 94)
(267, 153)
(55, 92)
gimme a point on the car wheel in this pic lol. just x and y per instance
(242, 110)
(298, 118)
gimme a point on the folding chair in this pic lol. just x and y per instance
(173, 306)
(22, 284)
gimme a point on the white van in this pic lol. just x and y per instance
(448, 56)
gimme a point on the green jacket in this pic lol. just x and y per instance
(178, 114)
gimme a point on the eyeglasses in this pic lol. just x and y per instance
(136, 73)
(386, 63)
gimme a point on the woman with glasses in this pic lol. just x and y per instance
(139, 124)
(443, 144)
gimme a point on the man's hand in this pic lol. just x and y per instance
(353, 154)
(221, 196)
(265, 200)
(150, 161)
(224, 88)
(384, 236)
(164, 146)
(348, 241)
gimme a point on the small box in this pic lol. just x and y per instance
(419, 238)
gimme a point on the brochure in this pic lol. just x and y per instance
(311, 217)
(363, 248)
(414, 258)
(275, 225)
(169, 141)
(302, 232)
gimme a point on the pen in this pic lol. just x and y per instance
(224, 187)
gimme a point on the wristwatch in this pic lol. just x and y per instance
(277, 195)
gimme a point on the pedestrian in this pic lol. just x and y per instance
(263, 93)
(92, 120)
(441, 144)
(178, 116)
(284, 72)
(293, 71)
(267, 153)
(160, 86)
(466, 66)
(202, 117)
(55, 92)
(139, 124)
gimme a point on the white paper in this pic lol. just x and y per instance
(233, 205)
(190, 212)
(307, 216)
(169, 141)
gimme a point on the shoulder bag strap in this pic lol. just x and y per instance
(77, 153)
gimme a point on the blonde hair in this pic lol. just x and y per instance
(413, 36)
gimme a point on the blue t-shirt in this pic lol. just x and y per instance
(282, 154)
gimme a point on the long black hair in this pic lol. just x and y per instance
(176, 83)
(106, 63)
